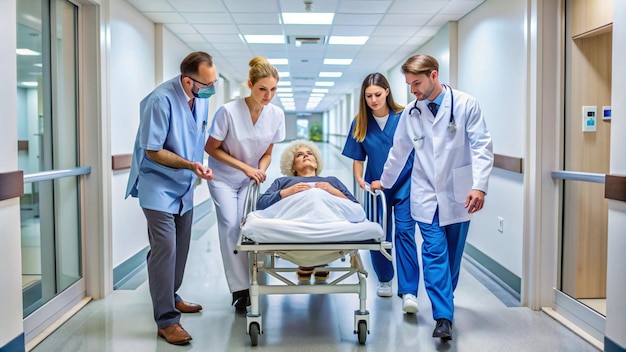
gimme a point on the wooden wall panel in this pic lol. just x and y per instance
(590, 16)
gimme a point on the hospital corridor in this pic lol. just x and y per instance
(488, 317)
(131, 130)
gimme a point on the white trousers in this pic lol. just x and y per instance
(229, 202)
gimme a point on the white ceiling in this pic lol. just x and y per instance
(396, 29)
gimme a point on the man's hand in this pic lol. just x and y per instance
(201, 171)
(475, 201)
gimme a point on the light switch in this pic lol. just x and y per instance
(589, 118)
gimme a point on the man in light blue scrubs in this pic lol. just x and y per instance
(167, 158)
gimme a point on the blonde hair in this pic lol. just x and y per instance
(289, 155)
(360, 124)
(261, 68)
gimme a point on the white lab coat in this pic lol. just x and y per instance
(447, 166)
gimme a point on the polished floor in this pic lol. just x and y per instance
(487, 318)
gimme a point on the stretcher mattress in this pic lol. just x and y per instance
(312, 216)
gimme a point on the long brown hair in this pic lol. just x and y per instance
(360, 126)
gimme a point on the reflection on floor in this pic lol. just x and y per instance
(123, 320)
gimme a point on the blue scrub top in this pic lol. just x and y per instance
(375, 147)
(167, 122)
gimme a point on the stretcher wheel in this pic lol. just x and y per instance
(362, 331)
(254, 334)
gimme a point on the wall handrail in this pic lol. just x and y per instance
(578, 176)
(54, 174)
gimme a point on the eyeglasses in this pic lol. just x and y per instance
(202, 84)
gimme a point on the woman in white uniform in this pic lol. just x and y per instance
(240, 145)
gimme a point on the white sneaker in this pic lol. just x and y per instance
(409, 303)
(384, 289)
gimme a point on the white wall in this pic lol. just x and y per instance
(616, 261)
(479, 64)
(492, 67)
(132, 76)
(439, 47)
(10, 253)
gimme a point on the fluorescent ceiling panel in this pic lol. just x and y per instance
(264, 39)
(347, 40)
(278, 61)
(307, 18)
(330, 74)
(337, 61)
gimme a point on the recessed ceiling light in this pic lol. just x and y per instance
(324, 84)
(264, 39)
(284, 94)
(307, 18)
(30, 84)
(278, 61)
(317, 94)
(337, 61)
(284, 83)
(347, 40)
(283, 74)
(331, 74)
(284, 90)
(319, 90)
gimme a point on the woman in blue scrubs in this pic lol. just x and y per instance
(370, 139)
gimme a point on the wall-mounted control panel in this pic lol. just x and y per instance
(590, 114)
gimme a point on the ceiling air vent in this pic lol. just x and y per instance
(300, 41)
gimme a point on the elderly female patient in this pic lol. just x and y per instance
(301, 163)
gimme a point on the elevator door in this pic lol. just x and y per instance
(48, 128)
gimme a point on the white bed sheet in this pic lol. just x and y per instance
(312, 216)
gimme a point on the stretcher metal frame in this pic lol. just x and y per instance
(262, 260)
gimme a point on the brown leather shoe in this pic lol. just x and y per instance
(188, 307)
(175, 334)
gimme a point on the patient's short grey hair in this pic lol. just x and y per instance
(288, 156)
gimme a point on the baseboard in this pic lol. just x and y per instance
(127, 269)
(15, 345)
(612, 346)
(511, 280)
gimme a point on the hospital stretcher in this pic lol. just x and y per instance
(263, 260)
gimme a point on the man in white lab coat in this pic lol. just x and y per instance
(453, 161)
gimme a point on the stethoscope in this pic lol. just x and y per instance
(451, 124)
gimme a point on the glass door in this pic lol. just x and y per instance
(49, 155)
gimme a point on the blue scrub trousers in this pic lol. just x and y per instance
(404, 243)
(442, 251)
